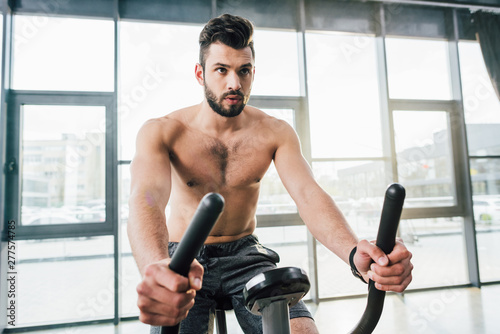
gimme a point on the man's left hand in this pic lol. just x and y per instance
(391, 272)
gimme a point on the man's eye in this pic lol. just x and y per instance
(221, 70)
(245, 71)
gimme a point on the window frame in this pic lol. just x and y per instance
(458, 209)
(16, 99)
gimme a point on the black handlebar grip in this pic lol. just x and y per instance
(389, 220)
(204, 219)
(386, 240)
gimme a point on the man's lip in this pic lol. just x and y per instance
(233, 99)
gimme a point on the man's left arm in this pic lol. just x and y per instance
(327, 224)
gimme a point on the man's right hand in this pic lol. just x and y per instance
(166, 297)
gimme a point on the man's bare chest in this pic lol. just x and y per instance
(206, 161)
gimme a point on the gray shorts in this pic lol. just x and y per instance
(228, 267)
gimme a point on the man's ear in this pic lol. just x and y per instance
(198, 72)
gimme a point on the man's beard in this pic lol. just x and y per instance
(232, 111)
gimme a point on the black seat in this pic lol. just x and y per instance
(288, 283)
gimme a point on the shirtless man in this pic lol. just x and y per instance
(223, 145)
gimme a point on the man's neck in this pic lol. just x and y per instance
(211, 122)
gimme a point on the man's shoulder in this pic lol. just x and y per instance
(266, 121)
(163, 130)
(172, 122)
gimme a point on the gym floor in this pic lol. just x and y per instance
(441, 311)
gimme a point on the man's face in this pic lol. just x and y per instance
(228, 78)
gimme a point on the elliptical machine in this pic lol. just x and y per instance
(271, 293)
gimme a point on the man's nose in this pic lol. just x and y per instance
(233, 81)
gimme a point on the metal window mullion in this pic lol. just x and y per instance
(459, 133)
(484, 156)
(12, 169)
(40, 232)
(351, 159)
(113, 197)
(388, 143)
(213, 8)
(4, 87)
(423, 105)
(284, 220)
(432, 212)
(278, 102)
(61, 97)
(427, 3)
(304, 130)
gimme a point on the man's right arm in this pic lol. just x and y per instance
(149, 195)
(164, 297)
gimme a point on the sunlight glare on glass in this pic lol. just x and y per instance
(343, 96)
(52, 53)
(424, 157)
(43, 122)
(418, 128)
(480, 101)
(157, 65)
(276, 63)
(418, 69)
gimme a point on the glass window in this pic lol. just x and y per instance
(157, 63)
(343, 96)
(424, 157)
(482, 117)
(438, 249)
(290, 242)
(53, 53)
(438, 252)
(276, 63)
(129, 272)
(485, 176)
(486, 213)
(334, 275)
(418, 69)
(63, 164)
(482, 107)
(73, 278)
(358, 188)
(274, 198)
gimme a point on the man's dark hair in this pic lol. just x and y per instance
(233, 31)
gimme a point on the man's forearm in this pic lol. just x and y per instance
(148, 235)
(327, 224)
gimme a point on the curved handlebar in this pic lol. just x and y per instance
(204, 219)
(386, 240)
